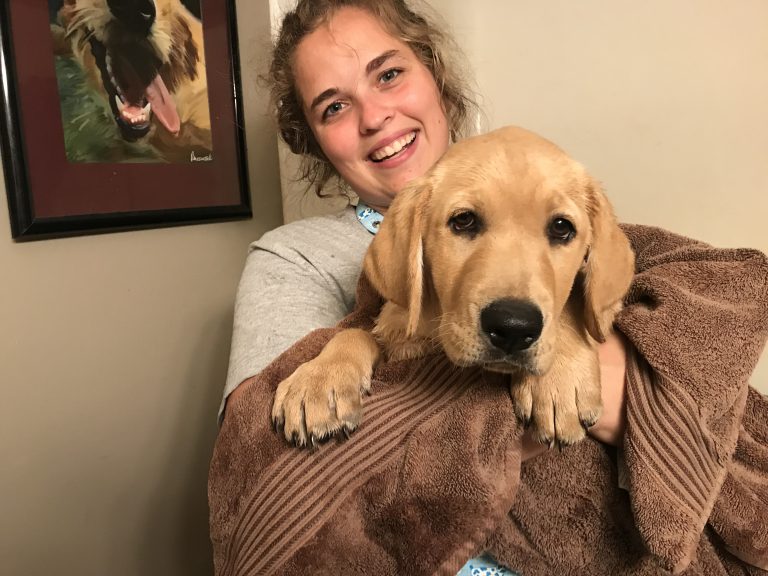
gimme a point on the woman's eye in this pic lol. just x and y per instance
(561, 230)
(464, 222)
(333, 109)
(390, 75)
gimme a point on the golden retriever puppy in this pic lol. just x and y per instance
(146, 58)
(509, 257)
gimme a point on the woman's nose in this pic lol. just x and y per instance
(375, 113)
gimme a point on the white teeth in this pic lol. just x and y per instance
(134, 118)
(108, 59)
(141, 117)
(394, 147)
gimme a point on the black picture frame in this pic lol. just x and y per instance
(49, 195)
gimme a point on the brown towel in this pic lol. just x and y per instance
(433, 476)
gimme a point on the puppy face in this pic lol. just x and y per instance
(136, 53)
(503, 246)
(505, 226)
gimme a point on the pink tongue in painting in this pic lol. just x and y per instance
(163, 105)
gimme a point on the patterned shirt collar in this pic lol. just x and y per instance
(368, 217)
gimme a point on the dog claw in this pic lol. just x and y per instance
(588, 423)
(523, 418)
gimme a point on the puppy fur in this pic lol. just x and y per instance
(505, 221)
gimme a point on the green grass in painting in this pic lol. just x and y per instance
(90, 132)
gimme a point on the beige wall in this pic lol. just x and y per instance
(113, 353)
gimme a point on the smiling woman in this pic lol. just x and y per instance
(375, 112)
(387, 66)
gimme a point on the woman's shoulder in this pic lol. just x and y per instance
(337, 235)
(340, 224)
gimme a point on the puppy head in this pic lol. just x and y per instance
(492, 240)
(135, 54)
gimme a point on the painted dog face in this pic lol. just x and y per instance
(137, 53)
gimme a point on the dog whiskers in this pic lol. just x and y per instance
(451, 332)
(442, 329)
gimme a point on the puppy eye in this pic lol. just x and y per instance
(464, 222)
(561, 230)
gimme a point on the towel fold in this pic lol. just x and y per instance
(433, 476)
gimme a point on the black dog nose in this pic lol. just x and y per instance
(136, 15)
(511, 325)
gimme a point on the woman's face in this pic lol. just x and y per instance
(373, 106)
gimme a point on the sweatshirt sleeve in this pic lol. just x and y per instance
(297, 278)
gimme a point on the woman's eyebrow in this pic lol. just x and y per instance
(324, 95)
(378, 62)
(372, 66)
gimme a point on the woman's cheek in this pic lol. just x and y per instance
(335, 142)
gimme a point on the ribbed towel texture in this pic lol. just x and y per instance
(433, 476)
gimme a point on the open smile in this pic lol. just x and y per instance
(394, 148)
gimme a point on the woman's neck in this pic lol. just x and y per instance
(378, 207)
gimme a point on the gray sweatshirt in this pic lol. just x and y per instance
(298, 277)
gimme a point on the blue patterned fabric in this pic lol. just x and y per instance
(484, 566)
(368, 217)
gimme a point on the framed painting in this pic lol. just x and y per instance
(120, 114)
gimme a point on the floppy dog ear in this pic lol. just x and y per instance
(609, 266)
(394, 263)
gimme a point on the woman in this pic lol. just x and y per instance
(364, 92)
(376, 119)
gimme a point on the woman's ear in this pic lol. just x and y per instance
(394, 263)
(609, 266)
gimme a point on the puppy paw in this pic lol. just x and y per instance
(320, 399)
(558, 410)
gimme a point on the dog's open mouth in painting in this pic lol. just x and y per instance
(130, 74)
(141, 51)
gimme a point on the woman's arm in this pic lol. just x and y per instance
(297, 278)
(609, 429)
